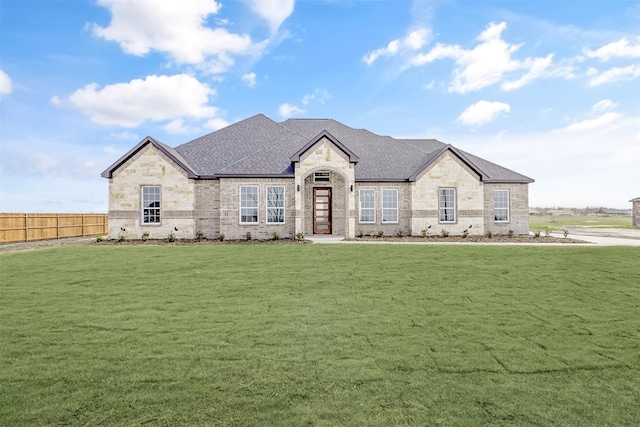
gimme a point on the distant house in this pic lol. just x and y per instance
(310, 176)
(560, 212)
(613, 212)
(636, 211)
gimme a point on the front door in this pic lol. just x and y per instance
(322, 211)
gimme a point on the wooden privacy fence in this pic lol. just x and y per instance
(24, 227)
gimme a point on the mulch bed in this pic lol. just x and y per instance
(470, 239)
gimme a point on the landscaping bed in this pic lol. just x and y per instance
(528, 239)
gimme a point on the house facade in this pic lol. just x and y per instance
(635, 211)
(309, 176)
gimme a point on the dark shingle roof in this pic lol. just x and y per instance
(258, 146)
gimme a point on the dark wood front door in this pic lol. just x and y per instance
(322, 211)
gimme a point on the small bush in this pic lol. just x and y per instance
(511, 233)
(122, 237)
(489, 234)
(565, 232)
(171, 237)
(444, 233)
(99, 239)
(221, 237)
(423, 232)
(536, 234)
(145, 236)
(400, 233)
(248, 235)
(275, 236)
(465, 233)
(199, 235)
(300, 235)
(380, 233)
(360, 232)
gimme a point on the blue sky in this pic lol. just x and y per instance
(550, 89)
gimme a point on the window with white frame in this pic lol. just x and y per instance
(447, 205)
(367, 205)
(501, 205)
(248, 205)
(322, 176)
(151, 204)
(389, 205)
(275, 205)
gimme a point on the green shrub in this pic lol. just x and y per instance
(275, 236)
(465, 233)
(380, 233)
(199, 235)
(400, 233)
(221, 237)
(511, 233)
(489, 234)
(145, 236)
(536, 234)
(360, 232)
(171, 237)
(444, 233)
(248, 235)
(300, 235)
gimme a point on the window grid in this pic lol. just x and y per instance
(275, 205)
(447, 205)
(367, 206)
(322, 177)
(151, 204)
(501, 205)
(389, 205)
(249, 205)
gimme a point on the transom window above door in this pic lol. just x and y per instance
(322, 176)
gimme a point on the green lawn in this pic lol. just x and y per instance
(558, 223)
(349, 335)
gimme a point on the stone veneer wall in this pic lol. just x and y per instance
(177, 197)
(448, 171)
(636, 212)
(518, 209)
(404, 209)
(339, 210)
(230, 209)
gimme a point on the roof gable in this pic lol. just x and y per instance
(165, 149)
(324, 134)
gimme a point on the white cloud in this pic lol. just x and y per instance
(414, 41)
(318, 95)
(175, 127)
(156, 98)
(605, 104)
(216, 123)
(249, 79)
(288, 110)
(177, 29)
(619, 49)
(483, 112)
(487, 63)
(126, 135)
(614, 74)
(273, 11)
(111, 149)
(593, 124)
(5, 83)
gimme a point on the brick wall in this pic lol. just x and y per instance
(404, 209)
(230, 209)
(518, 209)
